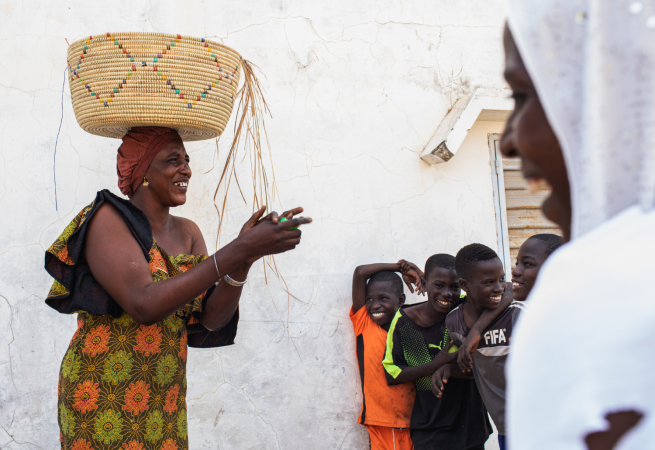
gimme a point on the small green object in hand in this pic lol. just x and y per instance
(284, 219)
(453, 349)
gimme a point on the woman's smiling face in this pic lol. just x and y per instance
(528, 135)
(169, 174)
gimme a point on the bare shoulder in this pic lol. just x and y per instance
(192, 233)
(107, 220)
(109, 235)
(187, 225)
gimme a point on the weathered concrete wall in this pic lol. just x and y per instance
(356, 89)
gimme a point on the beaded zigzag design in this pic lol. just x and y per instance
(189, 100)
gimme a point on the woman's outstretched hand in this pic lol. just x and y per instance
(261, 236)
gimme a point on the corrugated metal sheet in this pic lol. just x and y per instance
(524, 216)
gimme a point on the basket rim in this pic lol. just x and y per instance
(81, 41)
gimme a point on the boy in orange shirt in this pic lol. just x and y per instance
(386, 410)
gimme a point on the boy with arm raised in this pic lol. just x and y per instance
(377, 293)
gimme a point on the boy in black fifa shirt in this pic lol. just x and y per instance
(418, 344)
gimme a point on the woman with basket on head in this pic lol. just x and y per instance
(137, 276)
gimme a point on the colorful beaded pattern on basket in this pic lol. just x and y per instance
(130, 79)
(189, 99)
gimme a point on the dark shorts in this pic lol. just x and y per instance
(439, 440)
(501, 442)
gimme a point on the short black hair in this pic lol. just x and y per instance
(550, 241)
(387, 276)
(470, 255)
(442, 260)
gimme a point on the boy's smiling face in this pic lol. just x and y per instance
(442, 288)
(485, 283)
(382, 301)
(532, 255)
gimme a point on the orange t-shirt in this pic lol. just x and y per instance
(386, 406)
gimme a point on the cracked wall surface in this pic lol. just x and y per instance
(356, 91)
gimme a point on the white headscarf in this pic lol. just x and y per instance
(593, 65)
(583, 347)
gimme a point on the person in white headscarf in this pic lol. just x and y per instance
(583, 77)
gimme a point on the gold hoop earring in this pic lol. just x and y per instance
(145, 182)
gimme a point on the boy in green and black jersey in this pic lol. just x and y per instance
(417, 345)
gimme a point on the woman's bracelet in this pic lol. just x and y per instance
(216, 265)
(232, 282)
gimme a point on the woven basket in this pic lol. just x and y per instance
(124, 80)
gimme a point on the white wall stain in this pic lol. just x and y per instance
(356, 90)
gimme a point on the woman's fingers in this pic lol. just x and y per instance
(254, 219)
(293, 243)
(295, 222)
(258, 214)
(286, 245)
(270, 217)
(292, 212)
(272, 236)
(275, 217)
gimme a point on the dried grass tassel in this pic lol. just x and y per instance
(250, 128)
(249, 120)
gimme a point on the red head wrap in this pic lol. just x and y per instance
(139, 148)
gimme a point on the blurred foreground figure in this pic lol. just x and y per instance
(582, 74)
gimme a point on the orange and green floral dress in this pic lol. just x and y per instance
(123, 385)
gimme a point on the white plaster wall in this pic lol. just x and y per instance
(356, 89)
